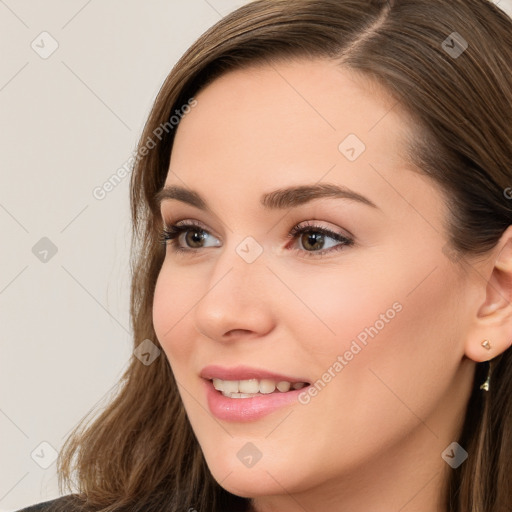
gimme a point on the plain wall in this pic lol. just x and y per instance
(69, 121)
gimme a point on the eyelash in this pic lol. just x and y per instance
(173, 232)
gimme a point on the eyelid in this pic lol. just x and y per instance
(313, 225)
(167, 223)
(187, 222)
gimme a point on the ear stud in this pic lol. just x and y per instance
(486, 344)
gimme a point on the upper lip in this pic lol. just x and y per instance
(245, 373)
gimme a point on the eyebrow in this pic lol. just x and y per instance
(278, 199)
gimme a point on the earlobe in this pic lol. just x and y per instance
(480, 352)
(492, 331)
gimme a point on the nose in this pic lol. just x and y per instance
(237, 300)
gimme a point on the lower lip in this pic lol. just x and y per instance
(247, 409)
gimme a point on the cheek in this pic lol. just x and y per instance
(398, 344)
(331, 307)
(399, 318)
(397, 334)
(172, 305)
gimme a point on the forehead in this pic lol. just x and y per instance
(290, 107)
(293, 122)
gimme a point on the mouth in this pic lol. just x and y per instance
(251, 399)
(250, 388)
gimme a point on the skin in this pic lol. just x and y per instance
(372, 438)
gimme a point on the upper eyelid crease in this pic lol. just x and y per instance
(278, 199)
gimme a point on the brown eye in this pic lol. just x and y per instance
(312, 241)
(313, 238)
(195, 236)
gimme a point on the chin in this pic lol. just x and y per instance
(268, 476)
(250, 483)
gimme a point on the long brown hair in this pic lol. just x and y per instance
(140, 453)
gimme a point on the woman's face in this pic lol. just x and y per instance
(374, 322)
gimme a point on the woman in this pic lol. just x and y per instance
(331, 184)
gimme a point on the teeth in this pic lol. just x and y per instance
(253, 387)
(248, 386)
(267, 386)
(283, 386)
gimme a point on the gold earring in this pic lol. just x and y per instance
(485, 386)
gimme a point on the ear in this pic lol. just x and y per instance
(493, 320)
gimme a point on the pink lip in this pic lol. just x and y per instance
(247, 409)
(245, 373)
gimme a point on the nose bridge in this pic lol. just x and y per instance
(238, 294)
(242, 267)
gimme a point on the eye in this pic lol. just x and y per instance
(309, 235)
(173, 234)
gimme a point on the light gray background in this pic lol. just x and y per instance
(68, 122)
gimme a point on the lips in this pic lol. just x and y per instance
(245, 373)
(247, 409)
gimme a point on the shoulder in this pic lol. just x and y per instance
(57, 505)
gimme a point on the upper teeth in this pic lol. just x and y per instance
(252, 386)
